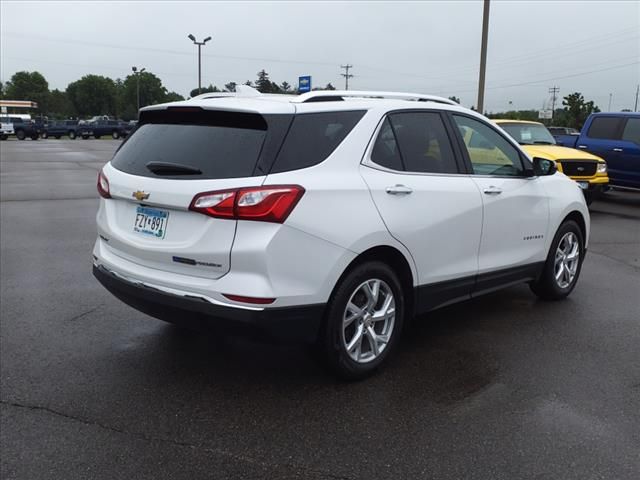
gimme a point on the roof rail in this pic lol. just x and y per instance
(333, 95)
(241, 91)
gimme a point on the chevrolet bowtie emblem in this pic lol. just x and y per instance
(140, 195)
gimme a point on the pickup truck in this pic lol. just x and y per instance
(6, 128)
(59, 129)
(100, 128)
(616, 138)
(22, 127)
(589, 171)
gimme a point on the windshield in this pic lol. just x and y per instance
(529, 133)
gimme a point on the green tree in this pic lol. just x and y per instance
(30, 86)
(575, 111)
(264, 85)
(173, 97)
(151, 92)
(230, 87)
(59, 105)
(285, 87)
(329, 87)
(455, 99)
(93, 95)
(209, 89)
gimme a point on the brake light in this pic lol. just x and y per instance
(103, 185)
(270, 203)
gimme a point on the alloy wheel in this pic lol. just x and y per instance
(368, 320)
(566, 260)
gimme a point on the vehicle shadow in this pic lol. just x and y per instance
(443, 357)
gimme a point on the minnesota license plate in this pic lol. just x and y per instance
(151, 221)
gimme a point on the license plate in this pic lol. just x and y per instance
(583, 185)
(151, 221)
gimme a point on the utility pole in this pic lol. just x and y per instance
(483, 55)
(199, 44)
(346, 75)
(635, 109)
(610, 96)
(553, 91)
(137, 73)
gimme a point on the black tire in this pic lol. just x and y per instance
(97, 137)
(58, 137)
(45, 135)
(547, 287)
(4, 137)
(35, 136)
(85, 137)
(72, 135)
(331, 339)
(20, 135)
(115, 135)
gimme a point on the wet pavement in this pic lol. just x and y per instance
(504, 386)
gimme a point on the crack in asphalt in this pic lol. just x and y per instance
(177, 443)
(80, 315)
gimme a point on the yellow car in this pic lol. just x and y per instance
(588, 170)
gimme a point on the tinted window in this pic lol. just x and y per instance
(423, 142)
(631, 131)
(385, 151)
(604, 127)
(220, 144)
(489, 152)
(313, 137)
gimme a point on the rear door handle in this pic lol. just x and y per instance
(399, 190)
(582, 146)
(617, 149)
(492, 190)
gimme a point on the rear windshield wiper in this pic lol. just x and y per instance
(167, 168)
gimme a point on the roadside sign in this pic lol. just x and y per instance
(545, 114)
(304, 84)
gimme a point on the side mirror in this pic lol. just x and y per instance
(543, 167)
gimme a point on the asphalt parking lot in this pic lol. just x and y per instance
(503, 386)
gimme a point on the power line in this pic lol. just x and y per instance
(346, 75)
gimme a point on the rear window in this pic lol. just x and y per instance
(218, 144)
(313, 137)
(605, 127)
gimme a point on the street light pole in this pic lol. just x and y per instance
(137, 73)
(199, 44)
(483, 56)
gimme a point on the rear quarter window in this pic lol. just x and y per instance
(631, 132)
(313, 137)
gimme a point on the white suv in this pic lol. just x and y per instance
(332, 217)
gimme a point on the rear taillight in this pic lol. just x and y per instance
(103, 185)
(270, 203)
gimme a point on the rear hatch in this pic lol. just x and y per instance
(172, 156)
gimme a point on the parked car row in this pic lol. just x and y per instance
(22, 126)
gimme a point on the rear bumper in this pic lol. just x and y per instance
(300, 323)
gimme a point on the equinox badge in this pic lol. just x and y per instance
(140, 195)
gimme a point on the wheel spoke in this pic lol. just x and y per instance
(356, 341)
(372, 290)
(559, 272)
(385, 311)
(356, 312)
(373, 341)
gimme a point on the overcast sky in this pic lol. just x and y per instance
(428, 47)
